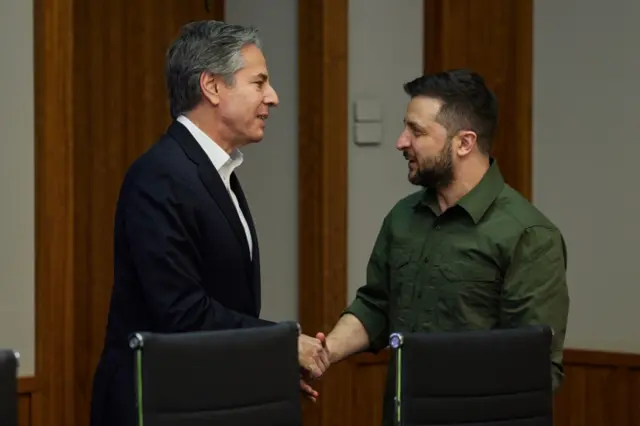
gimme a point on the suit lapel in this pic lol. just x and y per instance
(211, 180)
(244, 206)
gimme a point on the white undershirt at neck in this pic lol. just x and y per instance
(224, 163)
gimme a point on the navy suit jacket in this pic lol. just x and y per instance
(182, 263)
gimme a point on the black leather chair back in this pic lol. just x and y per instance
(244, 377)
(8, 387)
(488, 378)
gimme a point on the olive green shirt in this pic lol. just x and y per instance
(491, 261)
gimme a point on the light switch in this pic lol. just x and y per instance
(368, 111)
(368, 133)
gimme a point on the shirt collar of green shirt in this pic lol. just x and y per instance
(478, 200)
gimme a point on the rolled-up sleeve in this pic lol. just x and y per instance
(535, 289)
(371, 304)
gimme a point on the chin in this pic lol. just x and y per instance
(413, 178)
(256, 136)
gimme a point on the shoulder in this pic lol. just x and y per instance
(523, 225)
(165, 157)
(520, 213)
(163, 168)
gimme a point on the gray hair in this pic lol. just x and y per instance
(203, 46)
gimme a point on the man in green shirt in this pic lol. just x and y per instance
(466, 252)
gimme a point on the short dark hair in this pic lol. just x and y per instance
(467, 103)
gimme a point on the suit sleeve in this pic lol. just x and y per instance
(160, 227)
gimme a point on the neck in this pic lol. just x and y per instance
(202, 118)
(466, 177)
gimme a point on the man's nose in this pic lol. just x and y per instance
(403, 141)
(271, 97)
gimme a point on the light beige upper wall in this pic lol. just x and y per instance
(385, 51)
(17, 260)
(269, 174)
(586, 99)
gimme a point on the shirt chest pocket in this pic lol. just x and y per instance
(402, 271)
(471, 284)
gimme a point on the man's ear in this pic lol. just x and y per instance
(210, 87)
(467, 142)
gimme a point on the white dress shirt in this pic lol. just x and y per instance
(224, 163)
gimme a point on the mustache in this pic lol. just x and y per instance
(406, 155)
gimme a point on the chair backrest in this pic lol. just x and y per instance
(236, 377)
(8, 387)
(493, 377)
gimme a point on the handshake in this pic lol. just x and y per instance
(314, 359)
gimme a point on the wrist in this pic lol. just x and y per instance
(334, 355)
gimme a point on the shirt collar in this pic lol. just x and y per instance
(477, 201)
(223, 162)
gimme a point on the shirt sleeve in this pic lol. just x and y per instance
(371, 304)
(535, 289)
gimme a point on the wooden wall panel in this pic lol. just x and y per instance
(601, 389)
(54, 218)
(100, 102)
(322, 171)
(494, 38)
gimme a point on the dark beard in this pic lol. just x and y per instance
(437, 173)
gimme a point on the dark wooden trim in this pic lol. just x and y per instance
(601, 358)
(322, 161)
(432, 29)
(524, 96)
(28, 393)
(572, 357)
(218, 8)
(28, 384)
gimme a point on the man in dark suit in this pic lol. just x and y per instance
(186, 251)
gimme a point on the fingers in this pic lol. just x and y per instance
(314, 369)
(323, 356)
(313, 354)
(308, 391)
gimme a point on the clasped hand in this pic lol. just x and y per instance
(313, 356)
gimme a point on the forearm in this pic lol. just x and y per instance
(210, 316)
(347, 338)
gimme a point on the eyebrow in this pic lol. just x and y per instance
(262, 76)
(414, 126)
